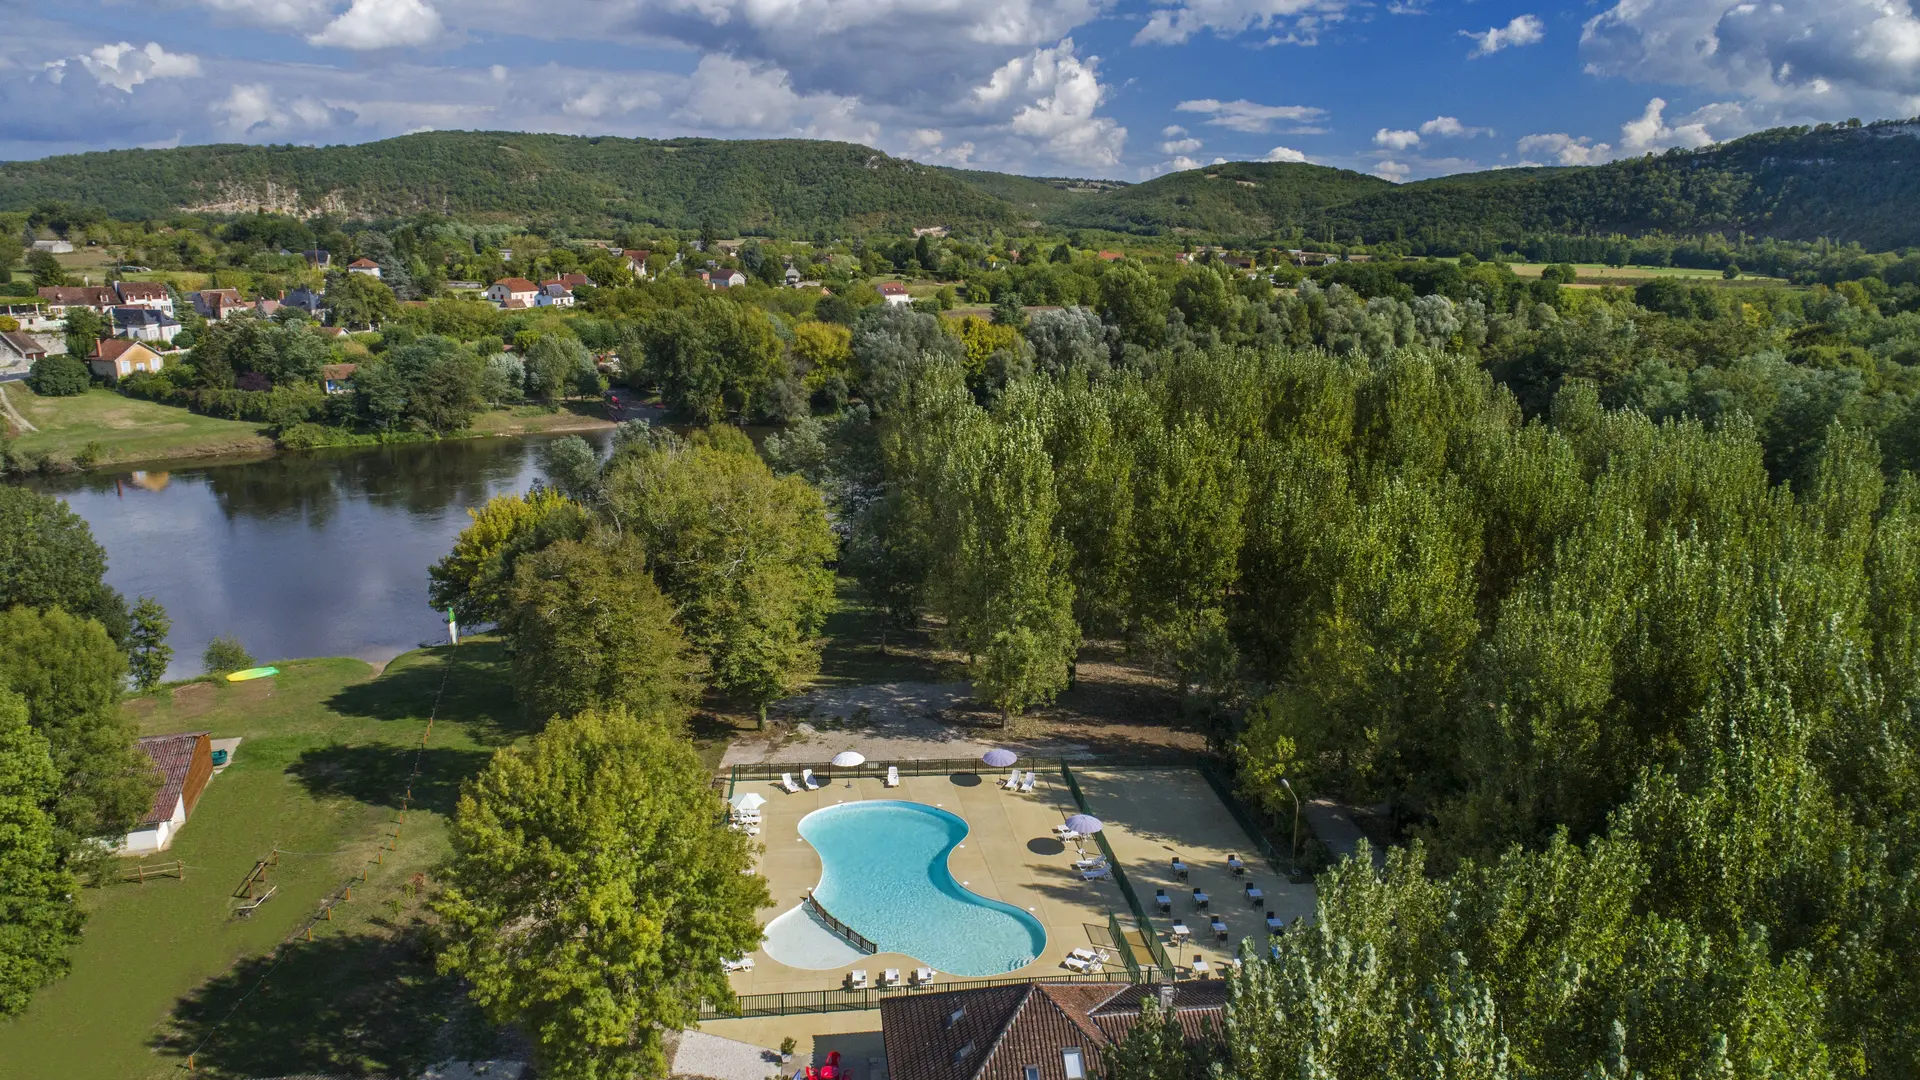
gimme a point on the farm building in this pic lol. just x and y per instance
(185, 764)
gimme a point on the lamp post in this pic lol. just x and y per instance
(1296, 823)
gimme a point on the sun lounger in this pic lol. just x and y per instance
(1083, 954)
(745, 963)
(893, 776)
(1100, 872)
(923, 976)
(1179, 868)
(1200, 899)
(806, 777)
(1219, 928)
(1274, 925)
(890, 977)
(857, 979)
(1094, 863)
(786, 782)
(1026, 786)
(1084, 967)
(1234, 864)
(1012, 781)
(1166, 902)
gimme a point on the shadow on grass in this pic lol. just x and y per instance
(338, 1006)
(478, 694)
(380, 774)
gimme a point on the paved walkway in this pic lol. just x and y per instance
(1333, 823)
(700, 1054)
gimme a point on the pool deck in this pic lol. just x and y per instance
(1011, 855)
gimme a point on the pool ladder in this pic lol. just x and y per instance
(852, 936)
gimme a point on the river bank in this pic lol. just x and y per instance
(103, 429)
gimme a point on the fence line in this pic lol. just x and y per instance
(1159, 954)
(1232, 802)
(825, 771)
(831, 1001)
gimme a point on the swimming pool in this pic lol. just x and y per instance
(884, 873)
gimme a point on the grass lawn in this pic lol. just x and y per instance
(126, 428)
(1597, 273)
(534, 419)
(165, 967)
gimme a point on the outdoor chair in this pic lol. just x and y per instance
(1026, 786)
(857, 979)
(923, 976)
(745, 963)
(786, 782)
(1012, 781)
(1083, 967)
(1094, 863)
(890, 977)
(893, 776)
(806, 777)
(1083, 954)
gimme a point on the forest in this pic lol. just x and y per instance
(1849, 183)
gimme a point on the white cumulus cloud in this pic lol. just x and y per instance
(1283, 153)
(1180, 146)
(123, 66)
(1291, 22)
(1249, 116)
(1652, 132)
(1396, 140)
(1565, 149)
(381, 24)
(1521, 30)
(1060, 93)
(1450, 127)
(253, 110)
(1392, 170)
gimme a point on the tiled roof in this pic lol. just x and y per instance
(141, 290)
(23, 344)
(1003, 1030)
(363, 264)
(79, 295)
(173, 757)
(337, 372)
(111, 348)
(517, 284)
(892, 288)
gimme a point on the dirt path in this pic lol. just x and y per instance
(18, 420)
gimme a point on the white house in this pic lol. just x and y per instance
(894, 293)
(185, 764)
(553, 294)
(364, 266)
(144, 324)
(144, 294)
(514, 290)
(725, 279)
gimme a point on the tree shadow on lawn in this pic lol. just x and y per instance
(352, 1005)
(478, 694)
(380, 774)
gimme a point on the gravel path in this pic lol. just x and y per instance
(700, 1054)
(884, 721)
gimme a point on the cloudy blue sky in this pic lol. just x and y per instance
(1115, 88)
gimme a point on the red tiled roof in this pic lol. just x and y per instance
(892, 288)
(79, 295)
(363, 264)
(111, 348)
(1000, 1031)
(518, 284)
(173, 758)
(141, 290)
(336, 372)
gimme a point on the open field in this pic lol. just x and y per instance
(1600, 274)
(127, 429)
(164, 967)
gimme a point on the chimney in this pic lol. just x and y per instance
(1166, 996)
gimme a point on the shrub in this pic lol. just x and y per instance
(225, 654)
(59, 376)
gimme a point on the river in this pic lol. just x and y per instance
(311, 554)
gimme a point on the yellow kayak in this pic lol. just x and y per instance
(253, 673)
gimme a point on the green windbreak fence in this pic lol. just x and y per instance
(831, 1001)
(1120, 878)
(1245, 820)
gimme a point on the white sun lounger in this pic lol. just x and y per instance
(806, 777)
(857, 979)
(786, 781)
(1090, 875)
(893, 776)
(1026, 786)
(1084, 967)
(1083, 954)
(890, 977)
(923, 976)
(1012, 781)
(745, 963)
(1094, 863)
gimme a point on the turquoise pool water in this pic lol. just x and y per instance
(884, 873)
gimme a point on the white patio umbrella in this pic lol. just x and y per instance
(749, 800)
(847, 759)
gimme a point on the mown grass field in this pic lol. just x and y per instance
(127, 429)
(165, 968)
(1598, 273)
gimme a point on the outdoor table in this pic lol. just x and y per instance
(1234, 864)
(1180, 932)
(1201, 968)
(1259, 898)
(1199, 899)
(1179, 868)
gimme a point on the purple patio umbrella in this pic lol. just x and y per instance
(999, 759)
(1085, 824)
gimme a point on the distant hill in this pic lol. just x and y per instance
(1846, 183)
(782, 186)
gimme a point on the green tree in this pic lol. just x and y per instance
(741, 552)
(589, 629)
(85, 327)
(48, 558)
(38, 919)
(594, 891)
(554, 365)
(1155, 1047)
(714, 358)
(60, 375)
(474, 577)
(46, 269)
(225, 654)
(148, 653)
(71, 674)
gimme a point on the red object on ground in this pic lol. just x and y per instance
(829, 1071)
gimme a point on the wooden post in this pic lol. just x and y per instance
(350, 888)
(329, 912)
(309, 933)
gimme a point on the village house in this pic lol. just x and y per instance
(185, 764)
(59, 298)
(306, 300)
(317, 258)
(216, 304)
(364, 266)
(337, 378)
(1033, 1031)
(513, 292)
(894, 293)
(54, 247)
(18, 351)
(791, 277)
(553, 294)
(144, 294)
(723, 279)
(144, 324)
(116, 358)
(31, 316)
(637, 262)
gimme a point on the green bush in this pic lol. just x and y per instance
(224, 654)
(59, 376)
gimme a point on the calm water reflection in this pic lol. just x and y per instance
(321, 554)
